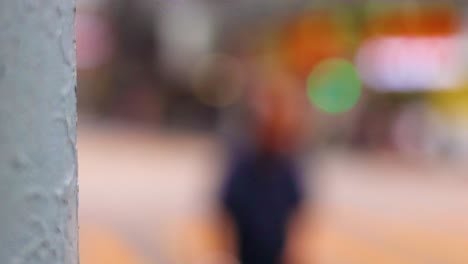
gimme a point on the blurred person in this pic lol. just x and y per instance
(262, 194)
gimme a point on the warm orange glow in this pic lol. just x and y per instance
(99, 246)
(426, 22)
(311, 39)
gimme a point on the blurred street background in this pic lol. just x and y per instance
(379, 89)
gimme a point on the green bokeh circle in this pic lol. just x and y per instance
(334, 86)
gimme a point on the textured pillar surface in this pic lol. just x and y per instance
(38, 162)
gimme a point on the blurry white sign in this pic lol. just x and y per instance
(186, 33)
(410, 63)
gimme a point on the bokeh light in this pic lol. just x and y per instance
(334, 86)
(218, 80)
(95, 43)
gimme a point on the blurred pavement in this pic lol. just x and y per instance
(153, 192)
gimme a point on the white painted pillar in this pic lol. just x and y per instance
(38, 167)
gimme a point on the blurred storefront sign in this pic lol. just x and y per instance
(413, 20)
(406, 63)
(411, 48)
